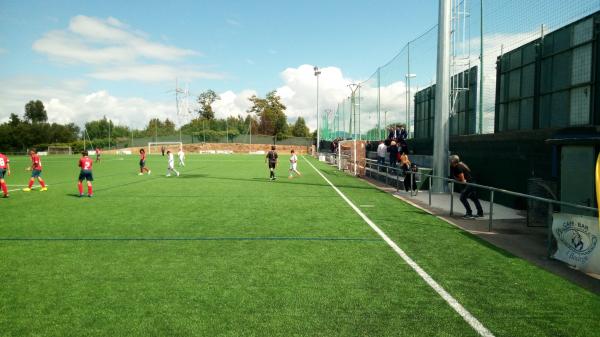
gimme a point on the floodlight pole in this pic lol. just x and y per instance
(353, 87)
(317, 73)
(442, 97)
(408, 77)
(109, 135)
(250, 125)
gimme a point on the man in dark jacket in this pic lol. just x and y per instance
(461, 172)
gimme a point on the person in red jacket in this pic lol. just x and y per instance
(85, 163)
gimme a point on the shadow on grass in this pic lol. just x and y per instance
(285, 180)
(488, 245)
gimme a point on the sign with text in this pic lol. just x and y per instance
(577, 239)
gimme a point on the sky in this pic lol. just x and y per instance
(121, 59)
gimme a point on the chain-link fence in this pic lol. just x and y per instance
(401, 91)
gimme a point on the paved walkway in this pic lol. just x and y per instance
(509, 232)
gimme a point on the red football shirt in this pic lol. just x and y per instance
(143, 156)
(4, 161)
(36, 162)
(85, 163)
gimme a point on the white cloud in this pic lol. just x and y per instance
(233, 22)
(152, 73)
(71, 101)
(104, 43)
(112, 39)
(233, 104)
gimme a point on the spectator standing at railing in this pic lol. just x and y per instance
(381, 151)
(461, 172)
(393, 151)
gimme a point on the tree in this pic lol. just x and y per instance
(206, 99)
(271, 113)
(300, 129)
(35, 112)
(14, 120)
(157, 127)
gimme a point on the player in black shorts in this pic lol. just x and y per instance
(272, 161)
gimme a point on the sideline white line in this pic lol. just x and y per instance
(464, 313)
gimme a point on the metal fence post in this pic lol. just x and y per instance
(430, 177)
(550, 219)
(387, 172)
(491, 210)
(452, 198)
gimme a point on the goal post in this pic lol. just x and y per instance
(352, 156)
(155, 147)
(60, 150)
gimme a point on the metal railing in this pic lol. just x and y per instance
(372, 166)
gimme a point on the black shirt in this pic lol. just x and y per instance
(464, 169)
(272, 155)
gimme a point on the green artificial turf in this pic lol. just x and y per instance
(222, 251)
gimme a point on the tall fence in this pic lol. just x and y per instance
(482, 31)
(202, 138)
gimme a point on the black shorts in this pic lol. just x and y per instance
(142, 163)
(2, 173)
(272, 164)
(86, 175)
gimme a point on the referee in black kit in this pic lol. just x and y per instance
(272, 161)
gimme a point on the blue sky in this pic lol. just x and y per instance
(250, 42)
(88, 59)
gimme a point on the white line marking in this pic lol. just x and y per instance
(464, 313)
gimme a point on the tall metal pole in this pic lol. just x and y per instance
(442, 96)
(379, 103)
(109, 135)
(408, 92)
(481, 68)
(317, 73)
(359, 129)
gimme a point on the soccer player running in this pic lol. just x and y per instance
(4, 170)
(85, 163)
(181, 156)
(294, 165)
(143, 167)
(36, 172)
(171, 167)
(272, 161)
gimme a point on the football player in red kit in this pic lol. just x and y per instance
(4, 170)
(36, 172)
(85, 163)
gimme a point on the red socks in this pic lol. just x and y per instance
(89, 189)
(30, 182)
(80, 188)
(42, 183)
(4, 189)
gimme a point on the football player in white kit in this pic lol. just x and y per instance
(171, 167)
(294, 165)
(181, 156)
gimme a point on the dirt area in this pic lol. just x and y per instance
(234, 147)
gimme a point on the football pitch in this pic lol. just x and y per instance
(223, 251)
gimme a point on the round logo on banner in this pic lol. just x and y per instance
(577, 237)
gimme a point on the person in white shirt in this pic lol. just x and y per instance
(171, 167)
(381, 152)
(294, 165)
(181, 156)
